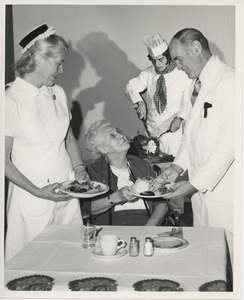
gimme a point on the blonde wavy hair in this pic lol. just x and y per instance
(47, 48)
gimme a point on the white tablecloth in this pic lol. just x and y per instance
(57, 253)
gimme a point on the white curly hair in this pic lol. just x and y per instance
(92, 136)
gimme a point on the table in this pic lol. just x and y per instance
(57, 253)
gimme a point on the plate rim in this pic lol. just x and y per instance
(85, 194)
(186, 243)
(151, 197)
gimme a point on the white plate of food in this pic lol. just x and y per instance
(83, 188)
(169, 243)
(152, 188)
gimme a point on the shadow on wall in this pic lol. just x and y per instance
(114, 69)
(73, 67)
(107, 95)
(216, 51)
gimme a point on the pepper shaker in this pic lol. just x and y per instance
(134, 246)
(148, 247)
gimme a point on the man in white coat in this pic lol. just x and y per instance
(207, 150)
(161, 107)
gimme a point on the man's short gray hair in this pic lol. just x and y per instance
(188, 35)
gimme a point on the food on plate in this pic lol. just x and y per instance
(77, 186)
(149, 186)
(147, 193)
(167, 244)
(141, 185)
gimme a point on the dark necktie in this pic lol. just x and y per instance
(196, 90)
(160, 96)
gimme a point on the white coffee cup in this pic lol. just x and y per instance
(110, 244)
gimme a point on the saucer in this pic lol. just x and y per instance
(97, 252)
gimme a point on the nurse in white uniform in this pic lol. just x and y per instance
(40, 149)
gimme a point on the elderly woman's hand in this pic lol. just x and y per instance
(126, 194)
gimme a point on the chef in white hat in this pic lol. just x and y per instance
(161, 107)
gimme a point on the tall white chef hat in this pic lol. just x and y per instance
(155, 44)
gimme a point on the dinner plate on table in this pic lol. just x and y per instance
(169, 243)
(97, 252)
(83, 188)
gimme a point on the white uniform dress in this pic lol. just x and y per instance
(38, 125)
(208, 148)
(176, 83)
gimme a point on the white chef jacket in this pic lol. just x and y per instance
(207, 150)
(38, 125)
(176, 83)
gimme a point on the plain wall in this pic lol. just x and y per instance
(106, 50)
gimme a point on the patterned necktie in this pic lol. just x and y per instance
(160, 96)
(196, 90)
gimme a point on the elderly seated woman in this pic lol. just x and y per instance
(119, 171)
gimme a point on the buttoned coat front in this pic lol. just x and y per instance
(207, 151)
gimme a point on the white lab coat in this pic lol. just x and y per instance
(207, 151)
(176, 83)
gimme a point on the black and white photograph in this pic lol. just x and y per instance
(121, 149)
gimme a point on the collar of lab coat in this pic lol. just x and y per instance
(209, 77)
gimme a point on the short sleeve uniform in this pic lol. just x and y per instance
(37, 119)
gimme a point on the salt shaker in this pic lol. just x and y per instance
(134, 246)
(148, 247)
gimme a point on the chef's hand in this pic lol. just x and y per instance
(171, 173)
(81, 174)
(175, 124)
(141, 110)
(51, 192)
(181, 189)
